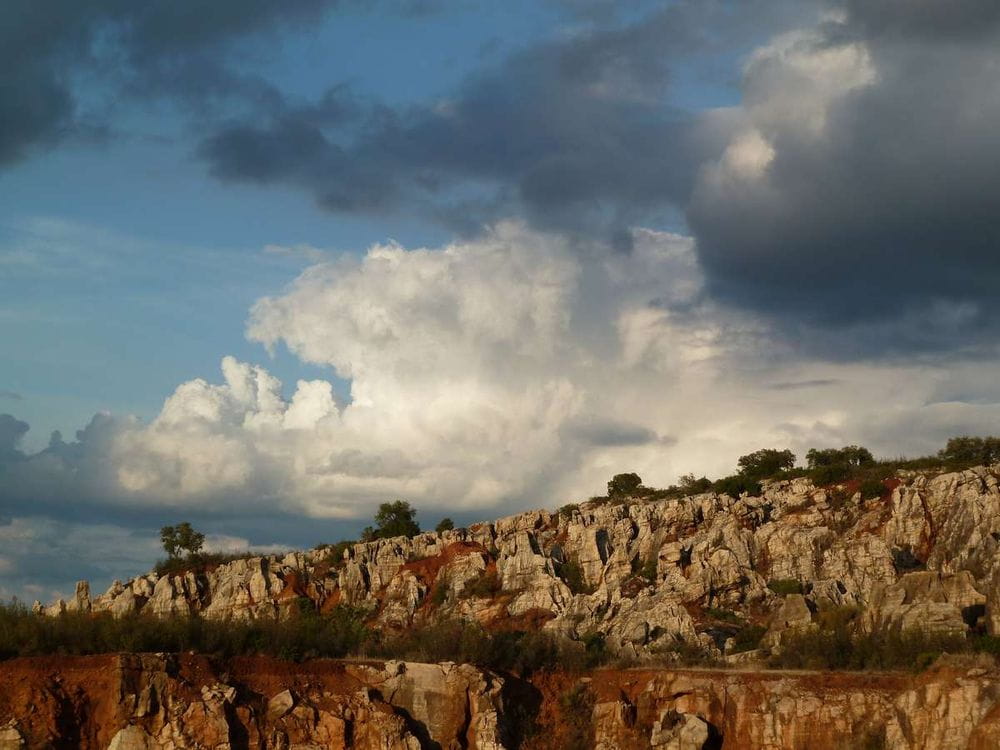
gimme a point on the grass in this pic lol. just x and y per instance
(305, 634)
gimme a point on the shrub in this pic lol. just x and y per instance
(736, 485)
(838, 648)
(304, 634)
(595, 649)
(577, 706)
(445, 524)
(689, 485)
(785, 586)
(623, 485)
(849, 455)
(393, 519)
(871, 489)
(181, 538)
(765, 462)
(335, 553)
(439, 593)
(969, 451)
(747, 638)
(724, 615)
(572, 575)
(198, 563)
(832, 474)
(486, 586)
(568, 510)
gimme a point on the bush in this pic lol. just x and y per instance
(648, 569)
(871, 489)
(181, 538)
(765, 462)
(832, 474)
(577, 706)
(445, 524)
(568, 510)
(486, 586)
(198, 563)
(838, 648)
(572, 575)
(335, 553)
(849, 455)
(785, 586)
(971, 451)
(724, 615)
(736, 485)
(303, 634)
(624, 485)
(747, 638)
(392, 519)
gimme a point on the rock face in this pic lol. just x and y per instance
(159, 702)
(944, 708)
(646, 575)
(650, 578)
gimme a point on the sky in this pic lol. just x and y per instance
(264, 266)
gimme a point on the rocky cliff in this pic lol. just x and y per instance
(647, 576)
(162, 702)
(650, 580)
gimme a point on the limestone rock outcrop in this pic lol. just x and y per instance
(164, 702)
(645, 575)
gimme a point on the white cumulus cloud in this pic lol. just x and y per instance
(490, 375)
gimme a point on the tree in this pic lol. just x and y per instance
(851, 456)
(971, 450)
(445, 524)
(622, 485)
(181, 538)
(393, 519)
(766, 462)
(690, 485)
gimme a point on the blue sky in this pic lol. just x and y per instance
(507, 248)
(139, 205)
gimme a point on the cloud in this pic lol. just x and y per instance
(576, 133)
(61, 63)
(36, 551)
(855, 200)
(485, 376)
(11, 396)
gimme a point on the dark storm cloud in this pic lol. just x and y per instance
(11, 432)
(609, 433)
(931, 18)
(165, 47)
(880, 225)
(577, 134)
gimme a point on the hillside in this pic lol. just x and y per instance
(580, 623)
(645, 577)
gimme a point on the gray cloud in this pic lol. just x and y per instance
(870, 230)
(182, 49)
(609, 433)
(577, 134)
(926, 18)
(869, 226)
(11, 395)
(801, 384)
